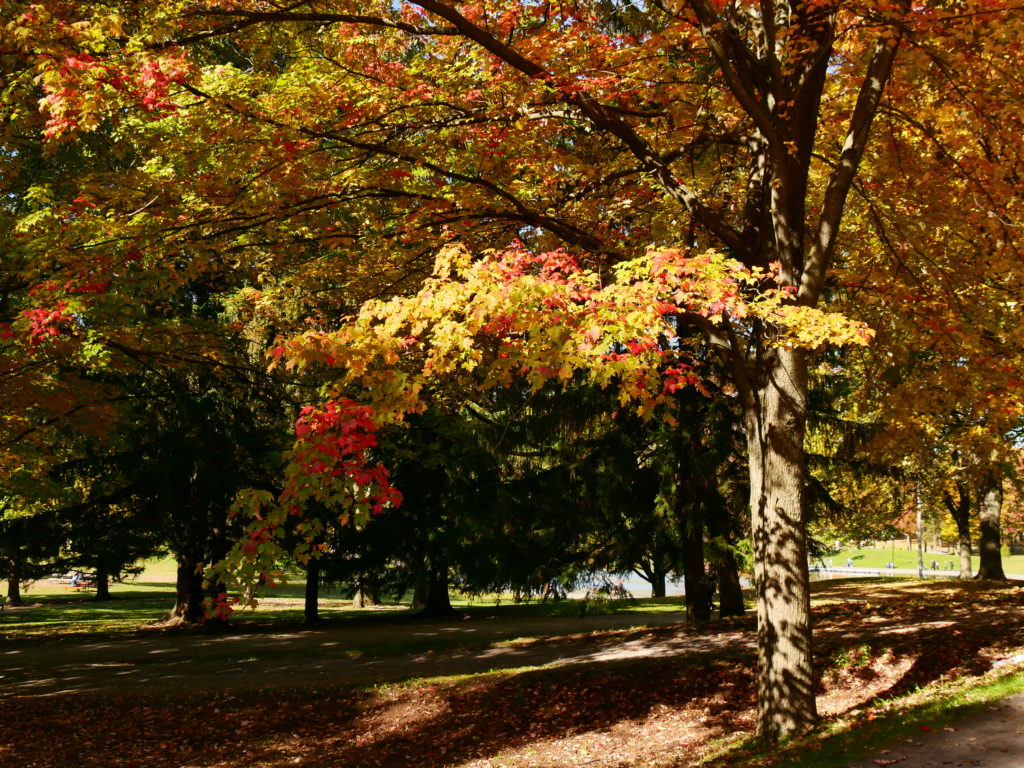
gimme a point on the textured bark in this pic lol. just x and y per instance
(990, 508)
(730, 589)
(188, 593)
(657, 582)
(311, 606)
(775, 427)
(695, 583)
(102, 586)
(960, 510)
(14, 586)
(438, 603)
(964, 547)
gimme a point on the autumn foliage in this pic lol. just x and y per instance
(407, 202)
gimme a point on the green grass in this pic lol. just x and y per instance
(904, 558)
(144, 600)
(863, 733)
(78, 613)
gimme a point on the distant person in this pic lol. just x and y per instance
(76, 579)
(849, 562)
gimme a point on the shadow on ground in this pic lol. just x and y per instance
(615, 706)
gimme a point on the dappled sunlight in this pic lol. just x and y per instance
(484, 694)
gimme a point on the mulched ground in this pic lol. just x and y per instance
(872, 641)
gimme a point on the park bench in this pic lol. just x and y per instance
(86, 581)
(79, 587)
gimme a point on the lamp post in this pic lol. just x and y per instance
(920, 534)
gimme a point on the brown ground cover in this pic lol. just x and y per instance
(873, 641)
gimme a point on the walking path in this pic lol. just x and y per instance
(341, 655)
(371, 654)
(993, 739)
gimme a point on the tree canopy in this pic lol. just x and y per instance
(406, 202)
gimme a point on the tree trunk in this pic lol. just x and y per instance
(438, 603)
(188, 593)
(14, 586)
(657, 579)
(311, 608)
(421, 588)
(965, 554)
(989, 548)
(695, 583)
(775, 424)
(369, 587)
(102, 585)
(368, 592)
(960, 510)
(730, 589)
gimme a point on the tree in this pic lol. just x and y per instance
(989, 510)
(30, 541)
(775, 64)
(936, 272)
(669, 125)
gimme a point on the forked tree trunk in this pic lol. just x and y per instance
(653, 575)
(990, 545)
(775, 425)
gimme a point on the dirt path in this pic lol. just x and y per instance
(347, 655)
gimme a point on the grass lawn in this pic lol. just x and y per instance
(139, 603)
(904, 558)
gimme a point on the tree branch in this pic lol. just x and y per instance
(867, 105)
(602, 117)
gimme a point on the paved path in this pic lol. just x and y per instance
(368, 654)
(993, 739)
(352, 655)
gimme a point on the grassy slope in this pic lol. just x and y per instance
(141, 601)
(904, 558)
